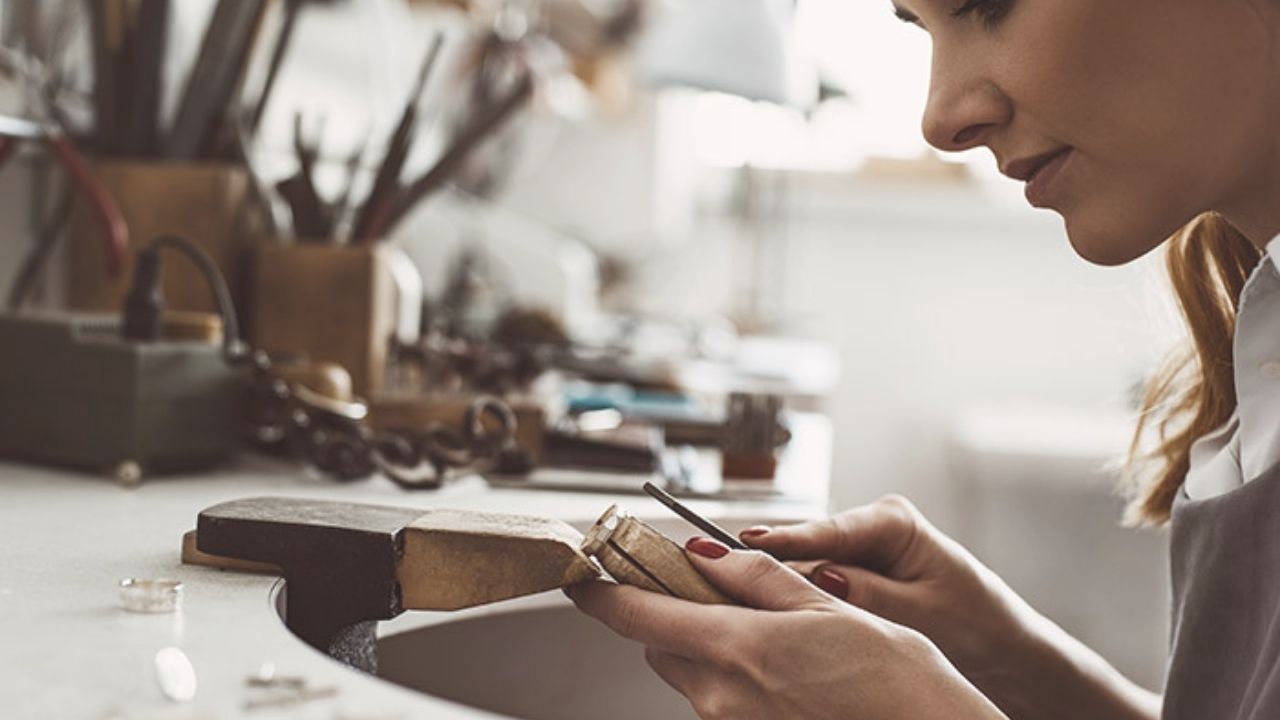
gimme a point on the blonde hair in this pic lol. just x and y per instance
(1194, 392)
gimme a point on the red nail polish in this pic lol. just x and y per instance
(831, 581)
(755, 532)
(706, 547)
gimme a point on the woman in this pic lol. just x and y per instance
(1136, 120)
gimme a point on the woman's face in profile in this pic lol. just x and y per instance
(1134, 116)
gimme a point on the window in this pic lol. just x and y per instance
(860, 47)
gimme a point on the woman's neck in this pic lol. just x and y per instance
(1257, 214)
(1253, 206)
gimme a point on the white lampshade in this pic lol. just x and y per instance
(739, 47)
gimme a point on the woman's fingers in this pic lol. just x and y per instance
(753, 578)
(866, 589)
(890, 599)
(875, 536)
(667, 623)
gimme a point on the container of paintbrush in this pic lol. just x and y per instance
(209, 203)
(184, 175)
(337, 303)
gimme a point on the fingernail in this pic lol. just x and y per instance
(755, 532)
(706, 547)
(831, 581)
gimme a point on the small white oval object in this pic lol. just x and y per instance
(176, 674)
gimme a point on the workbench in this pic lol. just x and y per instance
(69, 650)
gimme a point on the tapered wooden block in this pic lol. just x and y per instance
(456, 559)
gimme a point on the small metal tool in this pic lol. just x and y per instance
(293, 697)
(694, 518)
(267, 677)
(272, 690)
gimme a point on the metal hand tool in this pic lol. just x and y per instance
(45, 126)
(694, 518)
(115, 234)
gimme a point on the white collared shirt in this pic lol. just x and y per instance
(1248, 443)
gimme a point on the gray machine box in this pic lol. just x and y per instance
(74, 394)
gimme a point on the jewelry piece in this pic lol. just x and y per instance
(636, 554)
(150, 596)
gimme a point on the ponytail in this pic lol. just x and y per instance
(1194, 392)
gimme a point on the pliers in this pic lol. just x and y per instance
(115, 233)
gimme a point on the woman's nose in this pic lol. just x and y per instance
(963, 108)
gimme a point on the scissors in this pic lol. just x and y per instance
(46, 128)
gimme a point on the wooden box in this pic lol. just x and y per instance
(210, 204)
(330, 303)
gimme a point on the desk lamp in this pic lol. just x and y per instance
(737, 47)
(742, 48)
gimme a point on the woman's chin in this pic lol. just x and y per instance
(1110, 247)
(1102, 255)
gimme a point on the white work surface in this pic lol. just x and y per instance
(68, 649)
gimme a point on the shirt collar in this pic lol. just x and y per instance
(1257, 365)
(1273, 252)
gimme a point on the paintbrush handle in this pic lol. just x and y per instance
(448, 164)
(217, 73)
(283, 39)
(388, 175)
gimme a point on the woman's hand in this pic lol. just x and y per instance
(886, 558)
(793, 651)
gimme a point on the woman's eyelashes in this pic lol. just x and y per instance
(991, 11)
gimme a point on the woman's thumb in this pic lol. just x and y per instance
(875, 536)
(754, 578)
(819, 539)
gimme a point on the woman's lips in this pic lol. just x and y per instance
(1040, 186)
